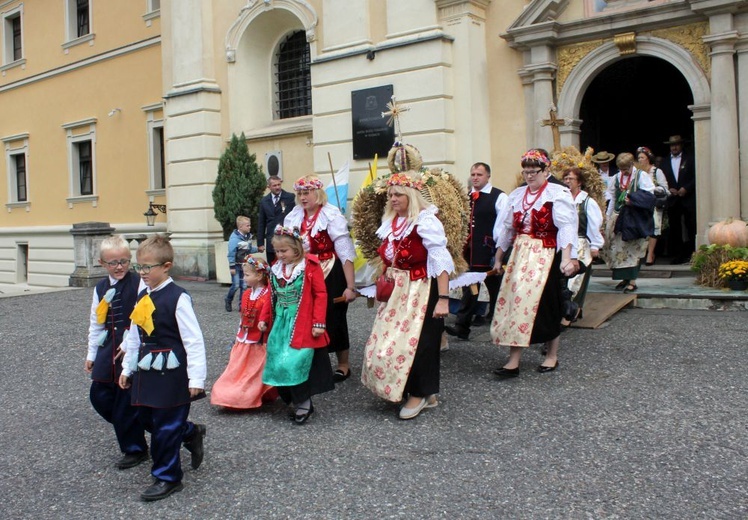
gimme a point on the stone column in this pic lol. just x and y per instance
(465, 21)
(702, 133)
(543, 68)
(742, 48)
(87, 238)
(723, 175)
(193, 135)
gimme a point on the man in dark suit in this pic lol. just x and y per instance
(486, 202)
(273, 210)
(680, 171)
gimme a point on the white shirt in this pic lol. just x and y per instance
(94, 327)
(189, 331)
(431, 231)
(675, 165)
(330, 219)
(564, 216)
(594, 220)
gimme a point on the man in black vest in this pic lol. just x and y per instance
(486, 203)
(273, 210)
(680, 173)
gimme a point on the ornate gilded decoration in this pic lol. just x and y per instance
(690, 38)
(626, 43)
(568, 57)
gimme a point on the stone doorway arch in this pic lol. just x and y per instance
(587, 69)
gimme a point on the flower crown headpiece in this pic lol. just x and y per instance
(402, 179)
(289, 232)
(304, 184)
(257, 264)
(536, 156)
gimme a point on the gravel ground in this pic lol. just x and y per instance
(645, 418)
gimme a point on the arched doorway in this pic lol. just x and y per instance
(637, 101)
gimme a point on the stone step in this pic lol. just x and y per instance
(652, 271)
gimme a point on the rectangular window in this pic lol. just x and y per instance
(85, 167)
(155, 5)
(17, 45)
(83, 18)
(159, 163)
(12, 36)
(20, 164)
(81, 145)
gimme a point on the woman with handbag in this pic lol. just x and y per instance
(624, 256)
(324, 232)
(401, 358)
(646, 161)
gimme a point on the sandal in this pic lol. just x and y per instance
(303, 414)
(630, 288)
(622, 285)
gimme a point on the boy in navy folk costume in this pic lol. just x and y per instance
(165, 366)
(113, 300)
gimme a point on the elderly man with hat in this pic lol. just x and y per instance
(602, 160)
(680, 173)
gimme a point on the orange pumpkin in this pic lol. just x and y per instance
(731, 232)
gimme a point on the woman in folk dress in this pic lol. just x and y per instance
(401, 356)
(540, 222)
(324, 232)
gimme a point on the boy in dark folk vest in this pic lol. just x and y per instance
(113, 301)
(165, 366)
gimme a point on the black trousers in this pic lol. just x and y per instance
(469, 302)
(681, 217)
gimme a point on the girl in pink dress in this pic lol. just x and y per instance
(240, 386)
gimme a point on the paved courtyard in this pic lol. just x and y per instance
(646, 417)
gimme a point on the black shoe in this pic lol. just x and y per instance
(480, 321)
(506, 372)
(195, 445)
(228, 305)
(543, 369)
(130, 460)
(457, 331)
(302, 415)
(160, 489)
(339, 376)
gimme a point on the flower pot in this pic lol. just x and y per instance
(737, 285)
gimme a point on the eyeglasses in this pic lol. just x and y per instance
(531, 172)
(145, 268)
(114, 263)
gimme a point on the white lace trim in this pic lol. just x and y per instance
(298, 269)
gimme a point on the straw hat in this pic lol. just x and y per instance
(602, 157)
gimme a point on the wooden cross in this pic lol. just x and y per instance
(554, 122)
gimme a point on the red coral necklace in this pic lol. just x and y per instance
(308, 223)
(397, 229)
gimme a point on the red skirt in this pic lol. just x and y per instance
(240, 386)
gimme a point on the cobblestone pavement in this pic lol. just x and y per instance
(645, 418)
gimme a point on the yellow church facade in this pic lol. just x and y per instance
(305, 79)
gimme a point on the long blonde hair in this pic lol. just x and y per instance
(416, 203)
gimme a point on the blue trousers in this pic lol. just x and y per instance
(169, 428)
(113, 404)
(237, 284)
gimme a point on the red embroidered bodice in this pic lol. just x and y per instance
(541, 224)
(321, 245)
(410, 254)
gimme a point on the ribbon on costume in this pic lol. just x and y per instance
(142, 314)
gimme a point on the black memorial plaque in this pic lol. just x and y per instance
(371, 135)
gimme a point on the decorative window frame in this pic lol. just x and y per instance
(16, 145)
(601, 7)
(8, 61)
(71, 33)
(155, 121)
(151, 12)
(78, 131)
